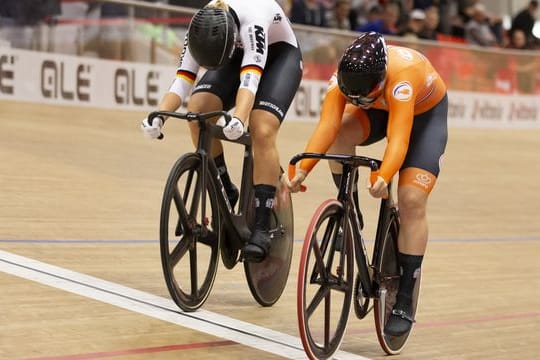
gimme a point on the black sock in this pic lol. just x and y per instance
(223, 173)
(264, 202)
(410, 270)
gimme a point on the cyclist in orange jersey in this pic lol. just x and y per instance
(383, 91)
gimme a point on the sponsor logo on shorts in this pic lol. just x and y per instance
(423, 180)
(203, 87)
(271, 106)
(402, 91)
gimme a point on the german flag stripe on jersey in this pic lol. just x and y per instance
(253, 69)
(186, 75)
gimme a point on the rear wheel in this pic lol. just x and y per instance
(325, 281)
(267, 279)
(189, 234)
(387, 278)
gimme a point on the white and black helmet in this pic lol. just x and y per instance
(212, 37)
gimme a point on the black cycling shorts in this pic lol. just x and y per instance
(278, 85)
(428, 139)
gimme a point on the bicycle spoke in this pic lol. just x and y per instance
(319, 264)
(194, 271)
(323, 292)
(327, 315)
(181, 211)
(179, 251)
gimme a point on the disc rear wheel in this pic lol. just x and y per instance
(388, 281)
(267, 279)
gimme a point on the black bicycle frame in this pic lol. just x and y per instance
(350, 165)
(235, 222)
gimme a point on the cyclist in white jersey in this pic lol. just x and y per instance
(254, 65)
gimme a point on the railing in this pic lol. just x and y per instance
(154, 33)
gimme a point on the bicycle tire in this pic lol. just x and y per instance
(388, 284)
(195, 246)
(322, 330)
(268, 278)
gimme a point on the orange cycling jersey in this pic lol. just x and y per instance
(412, 87)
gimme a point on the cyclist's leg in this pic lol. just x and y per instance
(216, 90)
(264, 128)
(416, 180)
(279, 83)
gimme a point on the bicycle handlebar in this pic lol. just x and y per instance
(191, 116)
(200, 117)
(353, 160)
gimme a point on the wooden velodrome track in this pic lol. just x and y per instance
(81, 277)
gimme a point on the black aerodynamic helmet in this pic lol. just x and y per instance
(362, 69)
(212, 37)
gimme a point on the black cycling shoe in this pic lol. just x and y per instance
(399, 323)
(258, 246)
(233, 195)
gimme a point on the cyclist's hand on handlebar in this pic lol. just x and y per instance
(234, 129)
(295, 184)
(152, 129)
(379, 188)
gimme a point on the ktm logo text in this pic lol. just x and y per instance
(260, 41)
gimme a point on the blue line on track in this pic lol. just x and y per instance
(138, 242)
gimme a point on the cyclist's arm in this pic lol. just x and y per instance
(328, 127)
(186, 74)
(245, 99)
(253, 63)
(401, 99)
(170, 102)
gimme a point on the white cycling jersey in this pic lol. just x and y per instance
(262, 23)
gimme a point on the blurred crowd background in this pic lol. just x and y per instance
(478, 45)
(461, 21)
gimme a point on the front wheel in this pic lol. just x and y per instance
(387, 277)
(325, 281)
(189, 234)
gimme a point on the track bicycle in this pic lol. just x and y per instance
(333, 244)
(198, 223)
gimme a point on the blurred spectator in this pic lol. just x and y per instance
(197, 4)
(518, 40)
(447, 10)
(285, 5)
(431, 24)
(415, 24)
(308, 12)
(525, 20)
(24, 23)
(339, 18)
(114, 32)
(478, 30)
(367, 14)
(387, 24)
(424, 4)
(524, 65)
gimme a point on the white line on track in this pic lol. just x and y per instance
(157, 307)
